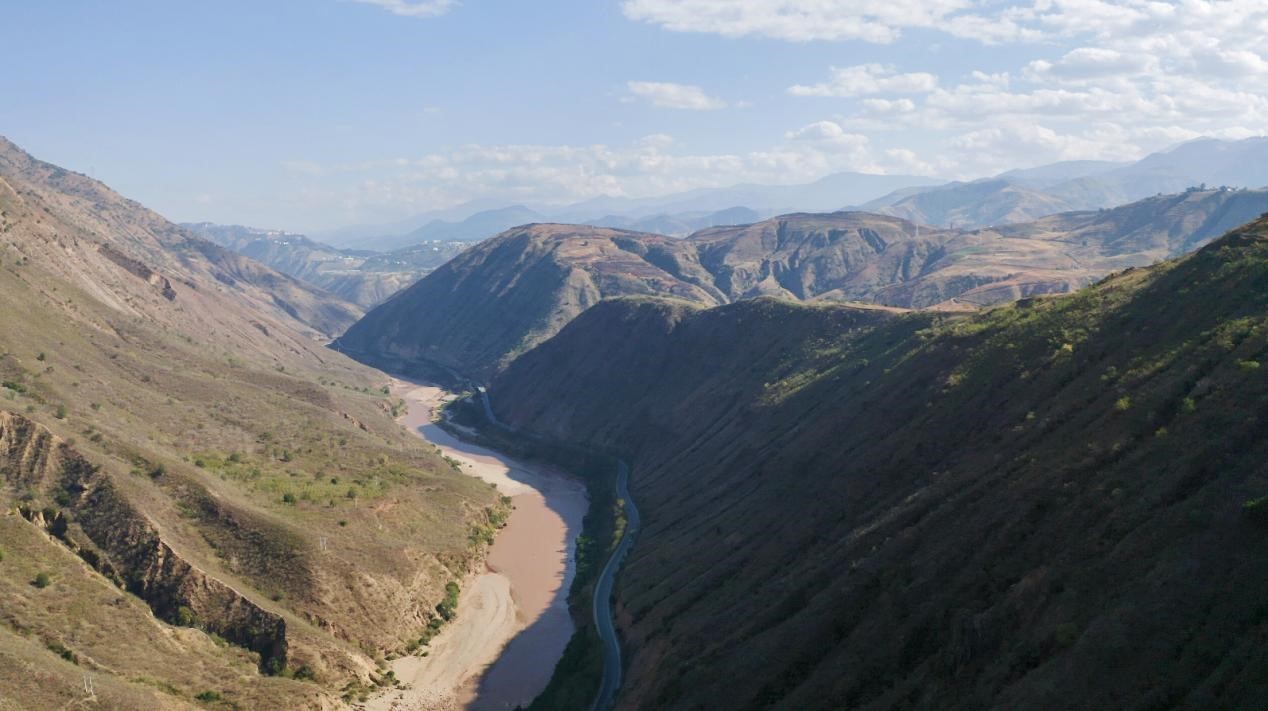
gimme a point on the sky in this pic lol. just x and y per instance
(309, 115)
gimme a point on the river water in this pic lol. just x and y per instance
(513, 622)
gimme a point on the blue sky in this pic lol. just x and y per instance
(311, 114)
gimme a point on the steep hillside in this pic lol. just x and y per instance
(90, 217)
(206, 498)
(510, 293)
(507, 294)
(1053, 504)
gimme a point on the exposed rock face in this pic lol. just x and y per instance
(1056, 504)
(119, 542)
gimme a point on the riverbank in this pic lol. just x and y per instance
(513, 621)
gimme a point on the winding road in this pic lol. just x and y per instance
(604, 621)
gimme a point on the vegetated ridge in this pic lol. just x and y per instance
(1058, 503)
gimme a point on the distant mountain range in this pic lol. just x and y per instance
(1021, 195)
(1012, 196)
(361, 276)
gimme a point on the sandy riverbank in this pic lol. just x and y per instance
(513, 620)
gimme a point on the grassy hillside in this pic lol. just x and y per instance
(1052, 504)
(197, 495)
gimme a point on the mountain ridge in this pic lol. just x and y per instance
(479, 320)
(1048, 504)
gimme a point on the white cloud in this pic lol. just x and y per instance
(867, 79)
(668, 95)
(413, 8)
(879, 21)
(889, 106)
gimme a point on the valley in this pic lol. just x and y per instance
(513, 620)
(641, 355)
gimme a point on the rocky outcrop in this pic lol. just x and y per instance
(94, 519)
(139, 270)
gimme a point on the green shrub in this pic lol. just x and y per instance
(207, 696)
(288, 498)
(40, 356)
(185, 617)
(1257, 509)
(61, 412)
(449, 606)
(1248, 365)
(305, 673)
(1123, 404)
(42, 580)
(62, 651)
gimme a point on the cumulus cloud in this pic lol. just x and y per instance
(413, 8)
(867, 79)
(668, 95)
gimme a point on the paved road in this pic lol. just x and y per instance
(603, 620)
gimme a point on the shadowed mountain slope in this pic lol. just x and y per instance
(1053, 504)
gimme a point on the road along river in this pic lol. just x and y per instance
(513, 622)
